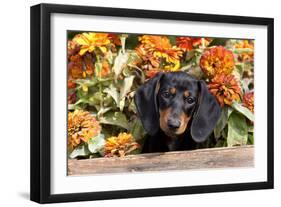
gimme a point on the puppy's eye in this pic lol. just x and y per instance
(165, 94)
(190, 99)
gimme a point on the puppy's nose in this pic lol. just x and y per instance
(174, 123)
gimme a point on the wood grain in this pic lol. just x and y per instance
(184, 160)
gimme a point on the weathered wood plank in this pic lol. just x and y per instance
(195, 159)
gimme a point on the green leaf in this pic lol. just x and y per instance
(85, 88)
(242, 50)
(125, 89)
(133, 58)
(239, 69)
(221, 142)
(237, 130)
(251, 128)
(96, 155)
(132, 107)
(243, 110)
(195, 71)
(96, 98)
(119, 63)
(103, 110)
(71, 107)
(95, 144)
(123, 42)
(132, 41)
(112, 91)
(86, 82)
(172, 39)
(218, 41)
(137, 130)
(189, 55)
(109, 57)
(229, 111)
(224, 133)
(122, 104)
(81, 150)
(115, 118)
(81, 100)
(221, 122)
(107, 101)
(250, 139)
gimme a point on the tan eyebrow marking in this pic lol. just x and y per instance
(173, 90)
(186, 93)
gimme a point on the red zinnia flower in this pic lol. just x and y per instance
(188, 43)
(225, 88)
(248, 101)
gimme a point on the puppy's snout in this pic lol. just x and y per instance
(174, 124)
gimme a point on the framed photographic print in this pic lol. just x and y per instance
(133, 103)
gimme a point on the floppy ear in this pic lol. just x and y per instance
(146, 103)
(206, 115)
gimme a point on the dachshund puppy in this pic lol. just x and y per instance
(177, 111)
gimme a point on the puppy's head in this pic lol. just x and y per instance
(175, 102)
(176, 99)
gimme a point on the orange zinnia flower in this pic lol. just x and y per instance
(157, 52)
(81, 60)
(196, 41)
(75, 67)
(248, 101)
(147, 56)
(80, 66)
(88, 42)
(89, 64)
(81, 127)
(225, 88)
(187, 43)
(217, 60)
(114, 39)
(120, 146)
(71, 84)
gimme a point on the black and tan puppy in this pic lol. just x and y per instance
(177, 111)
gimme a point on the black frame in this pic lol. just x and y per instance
(41, 96)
